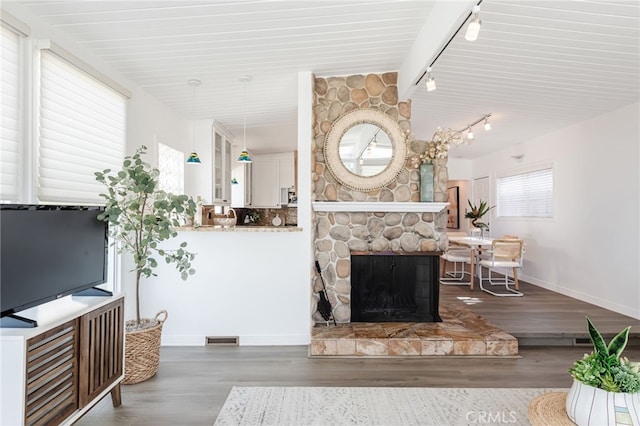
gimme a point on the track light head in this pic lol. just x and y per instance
(431, 82)
(469, 134)
(487, 125)
(473, 29)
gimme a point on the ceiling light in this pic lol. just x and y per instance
(431, 82)
(193, 157)
(473, 29)
(468, 131)
(244, 155)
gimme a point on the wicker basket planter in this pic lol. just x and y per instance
(142, 351)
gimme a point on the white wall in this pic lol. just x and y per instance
(255, 285)
(247, 284)
(149, 121)
(459, 169)
(590, 249)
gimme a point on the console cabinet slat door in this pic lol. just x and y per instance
(52, 375)
(101, 350)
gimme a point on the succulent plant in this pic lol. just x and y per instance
(604, 368)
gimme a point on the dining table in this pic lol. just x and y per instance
(476, 244)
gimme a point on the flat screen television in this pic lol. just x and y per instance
(48, 252)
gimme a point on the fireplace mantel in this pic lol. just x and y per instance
(377, 206)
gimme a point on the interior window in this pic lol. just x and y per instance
(527, 194)
(171, 166)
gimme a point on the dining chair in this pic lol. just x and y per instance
(505, 253)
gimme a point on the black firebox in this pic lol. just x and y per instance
(394, 286)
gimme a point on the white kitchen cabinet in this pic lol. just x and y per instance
(221, 170)
(287, 172)
(265, 189)
(271, 174)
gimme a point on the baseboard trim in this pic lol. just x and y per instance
(603, 303)
(199, 340)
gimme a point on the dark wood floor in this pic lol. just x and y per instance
(193, 382)
(539, 312)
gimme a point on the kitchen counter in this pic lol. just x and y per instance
(242, 228)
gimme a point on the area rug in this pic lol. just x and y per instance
(377, 406)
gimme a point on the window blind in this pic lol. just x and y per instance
(526, 195)
(10, 124)
(82, 129)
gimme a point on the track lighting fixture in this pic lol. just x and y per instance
(467, 131)
(471, 34)
(473, 29)
(431, 82)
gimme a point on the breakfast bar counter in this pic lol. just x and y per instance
(245, 228)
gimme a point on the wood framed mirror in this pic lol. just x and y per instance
(365, 149)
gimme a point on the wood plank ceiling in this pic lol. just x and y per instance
(537, 65)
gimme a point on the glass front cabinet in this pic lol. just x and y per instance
(221, 161)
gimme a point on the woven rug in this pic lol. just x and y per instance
(377, 406)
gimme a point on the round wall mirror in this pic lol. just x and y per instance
(365, 149)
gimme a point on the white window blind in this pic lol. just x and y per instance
(82, 128)
(10, 125)
(526, 195)
(171, 167)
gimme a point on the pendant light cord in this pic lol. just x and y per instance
(244, 116)
(193, 120)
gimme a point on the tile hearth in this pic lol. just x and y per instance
(461, 333)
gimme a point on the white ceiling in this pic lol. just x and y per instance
(536, 66)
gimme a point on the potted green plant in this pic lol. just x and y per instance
(141, 217)
(605, 384)
(476, 213)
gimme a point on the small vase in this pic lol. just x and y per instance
(426, 182)
(589, 406)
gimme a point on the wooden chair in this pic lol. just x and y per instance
(505, 253)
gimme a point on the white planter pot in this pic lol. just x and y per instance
(589, 406)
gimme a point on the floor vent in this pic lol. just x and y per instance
(219, 340)
(581, 341)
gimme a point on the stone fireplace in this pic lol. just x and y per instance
(344, 228)
(389, 219)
